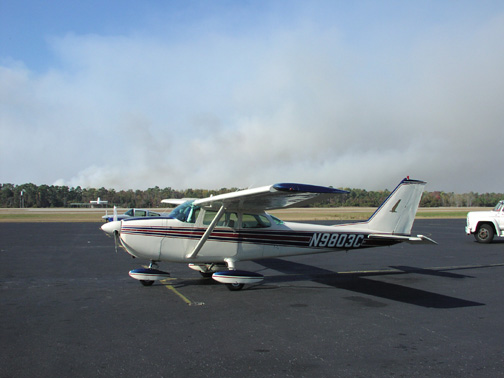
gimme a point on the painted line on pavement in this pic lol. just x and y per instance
(170, 287)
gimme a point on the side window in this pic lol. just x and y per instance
(255, 221)
(227, 219)
(209, 216)
(231, 220)
(139, 213)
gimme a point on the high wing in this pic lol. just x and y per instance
(275, 196)
(176, 201)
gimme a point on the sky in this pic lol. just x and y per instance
(212, 94)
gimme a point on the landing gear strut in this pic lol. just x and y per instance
(152, 265)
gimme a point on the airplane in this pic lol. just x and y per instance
(132, 213)
(212, 235)
(99, 201)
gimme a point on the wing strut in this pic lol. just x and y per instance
(207, 233)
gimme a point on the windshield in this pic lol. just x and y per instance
(186, 212)
(276, 220)
(499, 206)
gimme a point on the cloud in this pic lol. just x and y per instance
(297, 103)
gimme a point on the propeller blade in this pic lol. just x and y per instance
(116, 240)
(115, 213)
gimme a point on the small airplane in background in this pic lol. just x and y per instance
(132, 213)
(214, 234)
(98, 202)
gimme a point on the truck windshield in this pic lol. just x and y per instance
(499, 206)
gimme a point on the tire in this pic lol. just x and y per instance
(146, 283)
(206, 274)
(484, 234)
(235, 286)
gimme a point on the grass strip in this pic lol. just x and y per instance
(309, 214)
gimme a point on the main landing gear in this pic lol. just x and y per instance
(221, 272)
(227, 274)
(236, 279)
(147, 276)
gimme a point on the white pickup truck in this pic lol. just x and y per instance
(484, 225)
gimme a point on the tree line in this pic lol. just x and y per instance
(40, 196)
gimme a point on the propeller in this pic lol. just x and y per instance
(116, 232)
(116, 240)
(113, 229)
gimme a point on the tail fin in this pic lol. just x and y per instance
(397, 213)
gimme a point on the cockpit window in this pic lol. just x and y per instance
(129, 212)
(227, 219)
(186, 212)
(140, 213)
(255, 221)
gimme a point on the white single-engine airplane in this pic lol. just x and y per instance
(99, 201)
(213, 234)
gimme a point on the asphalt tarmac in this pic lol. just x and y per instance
(69, 309)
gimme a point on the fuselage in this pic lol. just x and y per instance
(238, 236)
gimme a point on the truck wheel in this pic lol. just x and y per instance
(484, 234)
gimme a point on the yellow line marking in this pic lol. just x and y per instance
(180, 295)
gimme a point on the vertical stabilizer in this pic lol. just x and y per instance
(397, 213)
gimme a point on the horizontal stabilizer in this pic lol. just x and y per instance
(419, 239)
